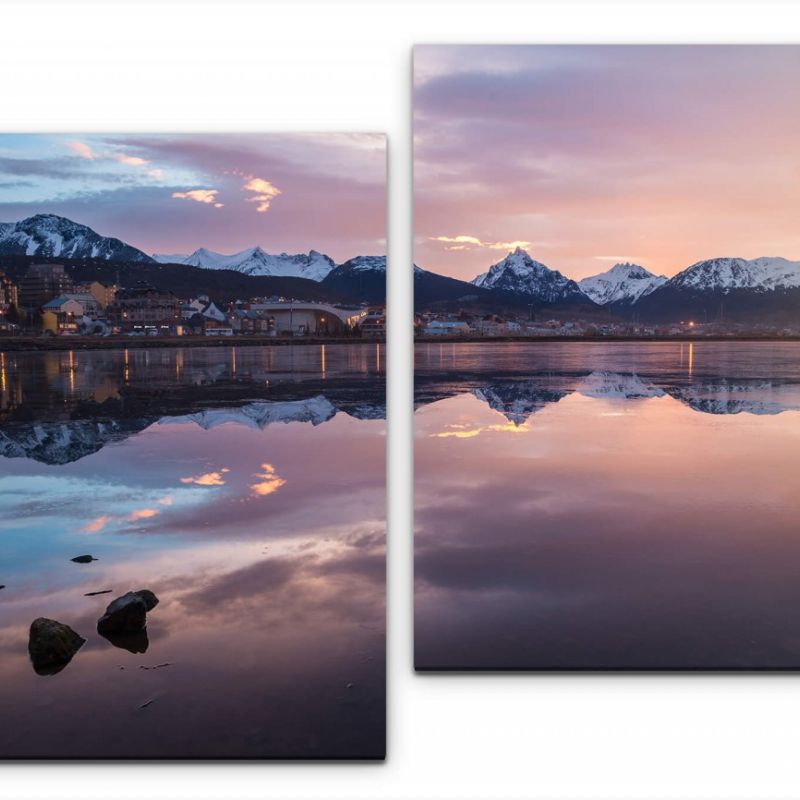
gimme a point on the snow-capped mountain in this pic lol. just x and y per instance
(521, 274)
(363, 277)
(48, 235)
(255, 261)
(259, 415)
(624, 283)
(365, 264)
(725, 274)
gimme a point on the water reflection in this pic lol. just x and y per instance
(643, 514)
(264, 542)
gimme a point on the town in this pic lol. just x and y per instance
(464, 325)
(47, 302)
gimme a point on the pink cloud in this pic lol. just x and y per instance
(82, 149)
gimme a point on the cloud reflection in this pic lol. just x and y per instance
(270, 482)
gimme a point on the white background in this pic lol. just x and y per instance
(346, 66)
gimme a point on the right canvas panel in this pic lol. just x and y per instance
(607, 293)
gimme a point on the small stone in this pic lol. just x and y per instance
(87, 559)
(52, 645)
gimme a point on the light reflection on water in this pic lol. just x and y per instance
(624, 506)
(258, 522)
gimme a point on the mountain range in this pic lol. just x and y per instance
(758, 290)
(765, 289)
(255, 261)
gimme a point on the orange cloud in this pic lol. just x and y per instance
(142, 513)
(207, 478)
(271, 481)
(97, 524)
(166, 501)
(462, 242)
(207, 196)
(264, 191)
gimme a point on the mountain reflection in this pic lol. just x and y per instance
(517, 400)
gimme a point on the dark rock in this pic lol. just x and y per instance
(102, 591)
(52, 645)
(127, 614)
(136, 642)
(83, 559)
(150, 600)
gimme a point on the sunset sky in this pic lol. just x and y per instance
(174, 193)
(590, 155)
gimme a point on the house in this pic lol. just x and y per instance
(62, 315)
(102, 294)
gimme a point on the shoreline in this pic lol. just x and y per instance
(594, 339)
(17, 344)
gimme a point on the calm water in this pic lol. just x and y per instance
(625, 506)
(246, 488)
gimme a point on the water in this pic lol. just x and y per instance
(245, 486)
(608, 506)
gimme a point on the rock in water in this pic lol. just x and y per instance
(83, 559)
(127, 614)
(150, 600)
(52, 645)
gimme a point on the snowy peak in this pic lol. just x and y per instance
(48, 235)
(255, 261)
(521, 274)
(724, 274)
(623, 283)
(364, 264)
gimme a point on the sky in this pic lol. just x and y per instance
(591, 155)
(173, 193)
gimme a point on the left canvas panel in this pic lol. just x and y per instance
(192, 446)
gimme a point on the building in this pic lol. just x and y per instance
(145, 309)
(446, 327)
(309, 319)
(9, 296)
(373, 325)
(103, 295)
(41, 283)
(249, 322)
(62, 315)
